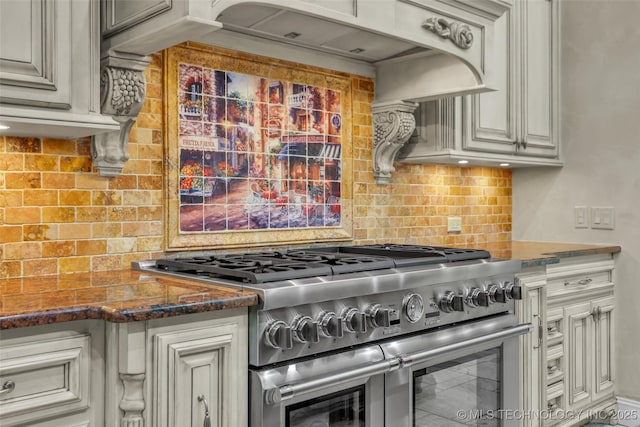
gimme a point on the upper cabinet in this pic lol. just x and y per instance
(49, 68)
(517, 124)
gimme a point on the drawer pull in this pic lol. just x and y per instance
(551, 369)
(581, 282)
(552, 330)
(7, 387)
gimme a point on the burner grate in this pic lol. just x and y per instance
(261, 267)
(399, 252)
(248, 270)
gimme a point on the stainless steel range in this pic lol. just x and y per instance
(358, 335)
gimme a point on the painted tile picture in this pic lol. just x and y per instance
(258, 150)
(256, 153)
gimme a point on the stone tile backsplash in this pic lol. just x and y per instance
(58, 216)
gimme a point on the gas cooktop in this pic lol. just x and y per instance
(264, 267)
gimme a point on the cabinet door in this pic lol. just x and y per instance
(490, 117)
(539, 101)
(602, 312)
(579, 350)
(205, 363)
(35, 67)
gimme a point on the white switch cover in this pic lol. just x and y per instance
(454, 223)
(602, 217)
(581, 219)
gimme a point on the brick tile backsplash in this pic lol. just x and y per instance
(58, 216)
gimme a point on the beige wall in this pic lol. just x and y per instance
(58, 216)
(600, 135)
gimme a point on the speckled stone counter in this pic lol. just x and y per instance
(115, 296)
(541, 253)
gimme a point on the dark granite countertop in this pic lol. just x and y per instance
(130, 295)
(541, 253)
(115, 296)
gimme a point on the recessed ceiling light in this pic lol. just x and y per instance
(504, 164)
(463, 162)
(292, 35)
(3, 127)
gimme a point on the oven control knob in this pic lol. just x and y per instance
(331, 325)
(305, 330)
(478, 298)
(413, 307)
(513, 291)
(354, 320)
(451, 302)
(377, 316)
(497, 294)
(278, 335)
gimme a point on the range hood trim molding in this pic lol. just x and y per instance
(447, 66)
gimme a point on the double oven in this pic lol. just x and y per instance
(380, 335)
(459, 376)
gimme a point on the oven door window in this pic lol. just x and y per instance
(460, 392)
(342, 409)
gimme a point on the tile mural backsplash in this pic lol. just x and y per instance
(256, 153)
(58, 216)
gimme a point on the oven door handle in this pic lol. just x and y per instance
(278, 394)
(407, 360)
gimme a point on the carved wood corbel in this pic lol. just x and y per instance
(393, 124)
(122, 93)
(459, 34)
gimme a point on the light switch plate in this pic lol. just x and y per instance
(581, 216)
(454, 223)
(603, 217)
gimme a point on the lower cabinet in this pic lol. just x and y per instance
(199, 372)
(589, 347)
(577, 379)
(179, 372)
(173, 372)
(52, 375)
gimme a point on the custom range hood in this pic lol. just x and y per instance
(416, 50)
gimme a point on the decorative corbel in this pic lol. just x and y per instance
(122, 92)
(459, 34)
(393, 124)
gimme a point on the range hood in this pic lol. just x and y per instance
(416, 50)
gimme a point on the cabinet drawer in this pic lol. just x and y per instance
(44, 378)
(554, 364)
(565, 280)
(555, 327)
(555, 403)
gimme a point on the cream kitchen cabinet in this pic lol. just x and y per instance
(518, 122)
(532, 309)
(568, 369)
(589, 350)
(581, 296)
(174, 372)
(49, 68)
(52, 375)
(96, 373)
